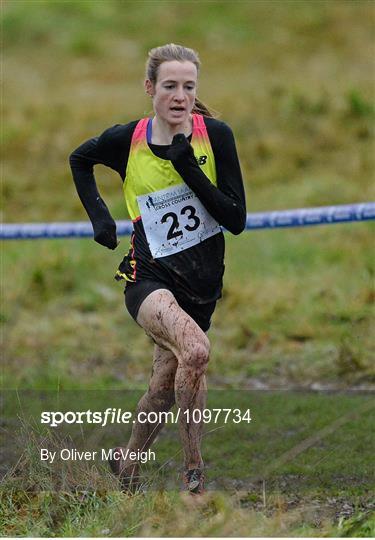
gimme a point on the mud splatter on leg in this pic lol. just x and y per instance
(172, 328)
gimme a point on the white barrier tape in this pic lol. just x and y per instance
(302, 217)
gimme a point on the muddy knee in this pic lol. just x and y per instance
(196, 355)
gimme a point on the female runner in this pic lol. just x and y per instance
(182, 182)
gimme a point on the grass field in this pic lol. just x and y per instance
(295, 81)
(303, 462)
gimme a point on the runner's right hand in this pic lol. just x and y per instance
(105, 233)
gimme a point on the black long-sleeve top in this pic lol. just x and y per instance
(196, 273)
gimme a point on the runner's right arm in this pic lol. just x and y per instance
(110, 149)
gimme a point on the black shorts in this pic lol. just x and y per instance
(136, 292)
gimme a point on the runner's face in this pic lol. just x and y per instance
(174, 92)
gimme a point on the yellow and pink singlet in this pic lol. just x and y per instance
(172, 216)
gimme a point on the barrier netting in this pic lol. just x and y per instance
(301, 217)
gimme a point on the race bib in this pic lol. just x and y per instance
(174, 219)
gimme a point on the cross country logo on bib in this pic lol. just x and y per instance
(174, 219)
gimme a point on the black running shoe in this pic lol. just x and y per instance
(194, 481)
(128, 476)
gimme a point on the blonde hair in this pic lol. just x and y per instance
(167, 53)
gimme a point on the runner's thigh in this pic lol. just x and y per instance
(170, 326)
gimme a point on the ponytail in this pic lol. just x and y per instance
(201, 108)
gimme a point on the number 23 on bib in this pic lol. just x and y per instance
(174, 219)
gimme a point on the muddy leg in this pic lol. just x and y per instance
(171, 327)
(159, 397)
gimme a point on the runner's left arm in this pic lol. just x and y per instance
(226, 202)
